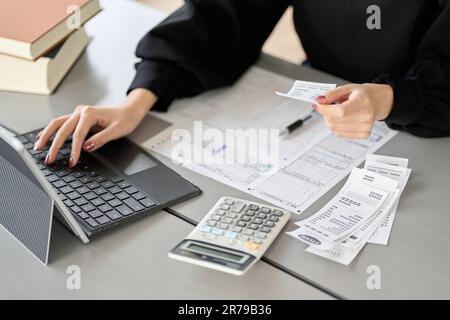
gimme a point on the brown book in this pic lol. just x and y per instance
(30, 28)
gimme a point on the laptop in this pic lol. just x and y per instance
(108, 187)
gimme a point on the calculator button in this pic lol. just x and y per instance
(225, 206)
(245, 218)
(252, 246)
(257, 220)
(265, 210)
(237, 207)
(243, 237)
(269, 224)
(241, 223)
(253, 207)
(231, 215)
(261, 235)
(278, 213)
(253, 226)
(261, 215)
(236, 229)
(211, 223)
(217, 232)
(229, 201)
(265, 229)
(215, 217)
(248, 232)
(274, 218)
(205, 229)
(220, 212)
(222, 225)
(256, 240)
(231, 235)
(250, 213)
(227, 220)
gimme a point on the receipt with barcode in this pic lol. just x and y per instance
(360, 198)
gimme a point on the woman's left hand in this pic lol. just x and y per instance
(350, 111)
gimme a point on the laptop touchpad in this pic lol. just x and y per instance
(126, 156)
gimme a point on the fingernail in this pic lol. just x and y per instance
(315, 107)
(36, 146)
(89, 147)
(72, 162)
(320, 98)
(47, 158)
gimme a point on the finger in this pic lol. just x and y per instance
(353, 118)
(61, 136)
(351, 127)
(347, 108)
(335, 95)
(81, 131)
(353, 135)
(99, 139)
(49, 131)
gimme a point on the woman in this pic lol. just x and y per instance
(400, 68)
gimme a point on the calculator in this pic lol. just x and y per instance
(232, 236)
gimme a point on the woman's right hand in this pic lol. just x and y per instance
(109, 123)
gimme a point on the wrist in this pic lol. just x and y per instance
(139, 101)
(383, 100)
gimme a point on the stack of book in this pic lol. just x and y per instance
(40, 41)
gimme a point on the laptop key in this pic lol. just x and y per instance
(123, 184)
(131, 190)
(100, 191)
(138, 196)
(115, 203)
(115, 190)
(83, 215)
(124, 210)
(100, 179)
(59, 184)
(122, 196)
(75, 184)
(69, 203)
(85, 179)
(68, 179)
(92, 222)
(105, 208)
(147, 203)
(133, 204)
(107, 197)
(97, 202)
(107, 184)
(61, 173)
(75, 209)
(73, 195)
(88, 207)
(103, 220)
(66, 190)
(52, 178)
(89, 196)
(83, 190)
(95, 214)
(78, 174)
(113, 215)
(93, 185)
(80, 201)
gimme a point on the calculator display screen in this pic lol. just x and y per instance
(217, 253)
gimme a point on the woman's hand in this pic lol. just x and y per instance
(350, 111)
(109, 123)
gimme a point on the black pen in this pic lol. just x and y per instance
(297, 124)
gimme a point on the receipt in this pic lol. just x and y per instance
(394, 168)
(307, 91)
(361, 197)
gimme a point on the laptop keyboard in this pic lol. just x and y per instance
(93, 193)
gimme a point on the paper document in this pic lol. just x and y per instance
(310, 161)
(307, 91)
(345, 224)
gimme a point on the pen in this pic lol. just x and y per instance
(297, 124)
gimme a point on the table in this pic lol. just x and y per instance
(129, 261)
(413, 265)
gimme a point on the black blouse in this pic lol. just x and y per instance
(207, 44)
